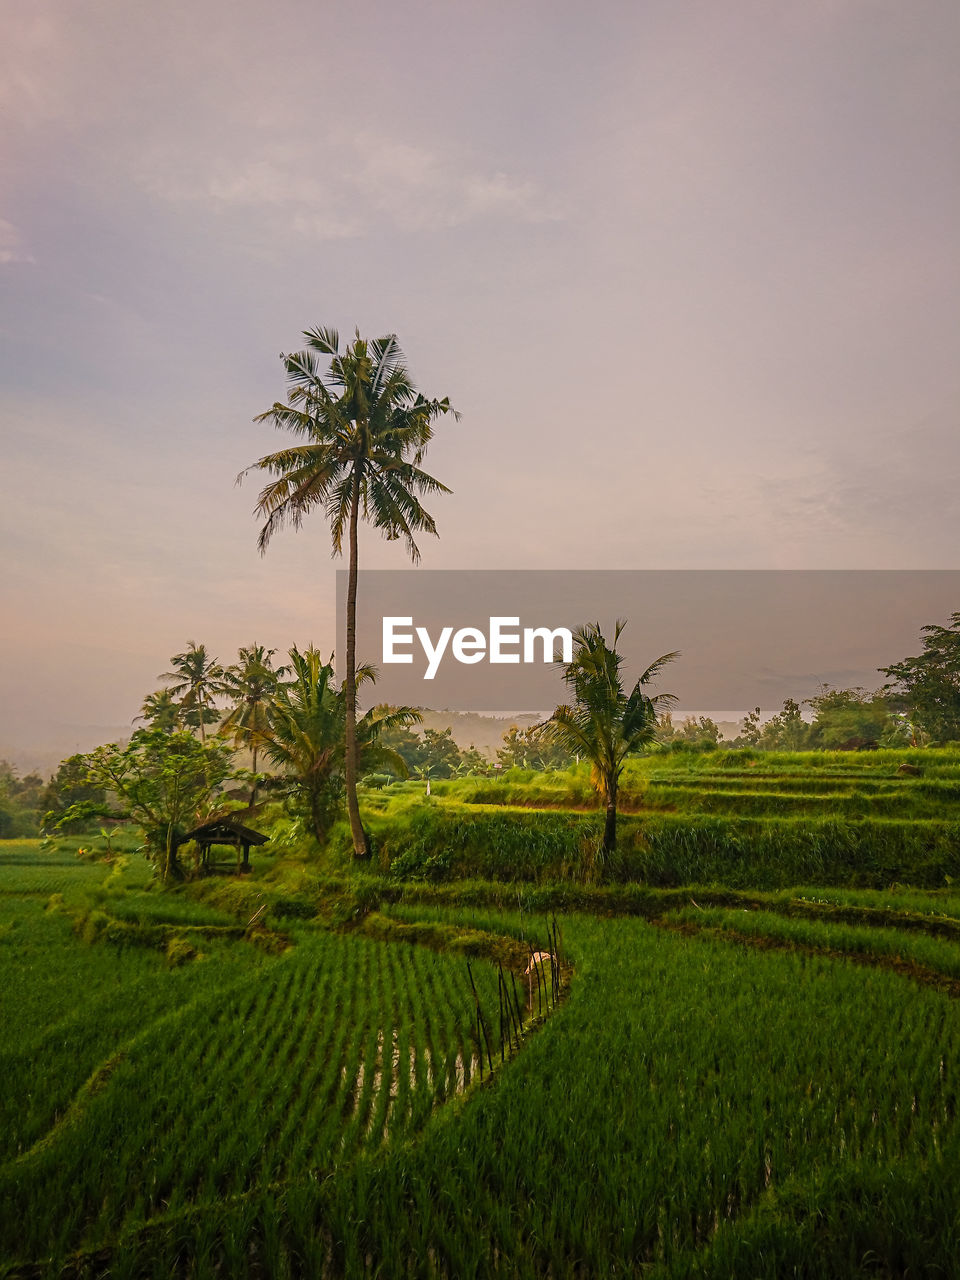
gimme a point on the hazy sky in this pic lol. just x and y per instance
(689, 270)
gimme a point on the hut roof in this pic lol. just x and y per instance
(226, 828)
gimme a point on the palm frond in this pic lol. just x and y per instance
(326, 341)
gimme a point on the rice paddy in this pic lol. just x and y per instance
(739, 818)
(721, 1091)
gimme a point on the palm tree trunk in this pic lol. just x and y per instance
(610, 823)
(317, 817)
(253, 788)
(361, 848)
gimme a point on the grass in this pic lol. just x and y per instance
(727, 1097)
(746, 819)
(760, 1080)
(919, 949)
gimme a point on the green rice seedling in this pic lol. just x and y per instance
(944, 903)
(762, 1081)
(934, 954)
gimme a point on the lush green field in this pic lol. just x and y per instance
(739, 818)
(720, 1093)
(199, 1081)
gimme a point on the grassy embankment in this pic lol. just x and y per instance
(738, 818)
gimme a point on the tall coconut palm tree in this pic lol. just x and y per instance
(364, 429)
(250, 685)
(604, 723)
(306, 731)
(195, 679)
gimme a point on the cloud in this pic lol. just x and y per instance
(884, 501)
(344, 187)
(11, 244)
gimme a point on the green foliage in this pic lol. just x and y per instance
(928, 686)
(786, 731)
(442, 842)
(196, 679)
(298, 1064)
(363, 429)
(434, 753)
(21, 801)
(741, 817)
(854, 718)
(534, 748)
(693, 733)
(406, 744)
(304, 736)
(440, 753)
(364, 424)
(161, 781)
(604, 724)
(751, 731)
(251, 686)
(160, 710)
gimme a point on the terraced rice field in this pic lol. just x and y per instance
(757, 1090)
(745, 819)
(205, 1081)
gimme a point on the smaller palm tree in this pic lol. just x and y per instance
(195, 680)
(604, 723)
(251, 685)
(305, 736)
(160, 711)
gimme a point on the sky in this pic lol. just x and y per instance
(689, 271)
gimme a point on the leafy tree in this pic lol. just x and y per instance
(409, 746)
(927, 687)
(305, 736)
(27, 790)
(20, 802)
(364, 429)
(434, 749)
(69, 786)
(161, 781)
(160, 711)
(751, 729)
(533, 748)
(473, 761)
(604, 724)
(851, 718)
(440, 752)
(251, 686)
(787, 730)
(698, 732)
(195, 679)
